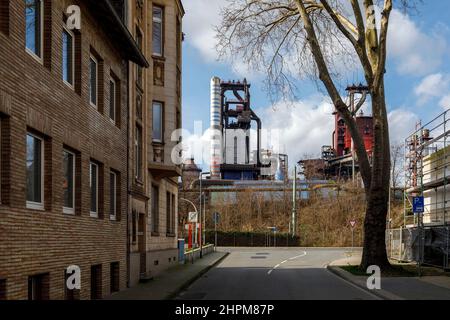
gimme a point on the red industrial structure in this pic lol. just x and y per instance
(339, 160)
(342, 139)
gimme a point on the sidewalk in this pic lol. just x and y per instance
(396, 288)
(172, 281)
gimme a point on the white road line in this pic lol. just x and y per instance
(283, 262)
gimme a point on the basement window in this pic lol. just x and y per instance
(38, 287)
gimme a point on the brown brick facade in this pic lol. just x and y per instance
(34, 98)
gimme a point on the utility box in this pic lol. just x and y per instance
(181, 251)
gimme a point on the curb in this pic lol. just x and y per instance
(188, 282)
(347, 276)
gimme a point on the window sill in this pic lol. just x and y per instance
(35, 206)
(112, 218)
(93, 214)
(35, 56)
(155, 234)
(158, 57)
(170, 235)
(71, 86)
(69, 211)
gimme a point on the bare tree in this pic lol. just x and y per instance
(320, 39)
(397, 167)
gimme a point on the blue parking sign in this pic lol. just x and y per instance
(418, 205)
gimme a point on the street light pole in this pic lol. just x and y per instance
(202, 225)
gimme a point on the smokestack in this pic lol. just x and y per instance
(216, 133)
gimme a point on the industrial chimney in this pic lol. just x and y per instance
(216, 130)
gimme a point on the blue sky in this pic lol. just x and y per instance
(417, 80)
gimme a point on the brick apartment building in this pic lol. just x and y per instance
(155, 100)
(64, 136)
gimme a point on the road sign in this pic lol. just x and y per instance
(193, 217)
(216, 217)
(418, 205)
(353, 223)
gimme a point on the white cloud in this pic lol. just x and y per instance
(304, 126)
(401, 124)
(201, 18)
(415, 52)
(433, 86)
(445, 102)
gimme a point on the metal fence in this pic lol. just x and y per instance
(430, 245)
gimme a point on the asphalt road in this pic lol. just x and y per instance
(275, 274)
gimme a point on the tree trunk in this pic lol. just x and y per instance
(374, 252)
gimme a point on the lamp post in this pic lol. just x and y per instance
(202, 224)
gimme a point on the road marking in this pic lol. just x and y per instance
(283, 262)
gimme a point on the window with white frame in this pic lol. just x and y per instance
(69, 182)
(113, 195)
(35, 172)
(34, 27)
(93, 80)
(112, 99)
(93, 184)
(157, 122)
(68, 57)
(158, 30)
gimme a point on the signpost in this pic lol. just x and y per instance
(216, 217)
(353, 225)
(419, 209)
(418, 205)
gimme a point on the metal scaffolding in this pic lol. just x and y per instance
(425, 238)
(427, 164)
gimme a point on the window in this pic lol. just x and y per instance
(96, 282)
(138, 152)
(157, 122)
(69, 182)
(93, 184)
(70, 294)
(133, 227)
(68, 57)
(158, 31)
(172, 220)
(4, 14)
(2, 289)
(114, 277)
(35, 172)
(168, 212)
(113, 195)
(139, 69)
(112, 100)
(34, 27)
(38, 287)
(93, 81)
(155, 209)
